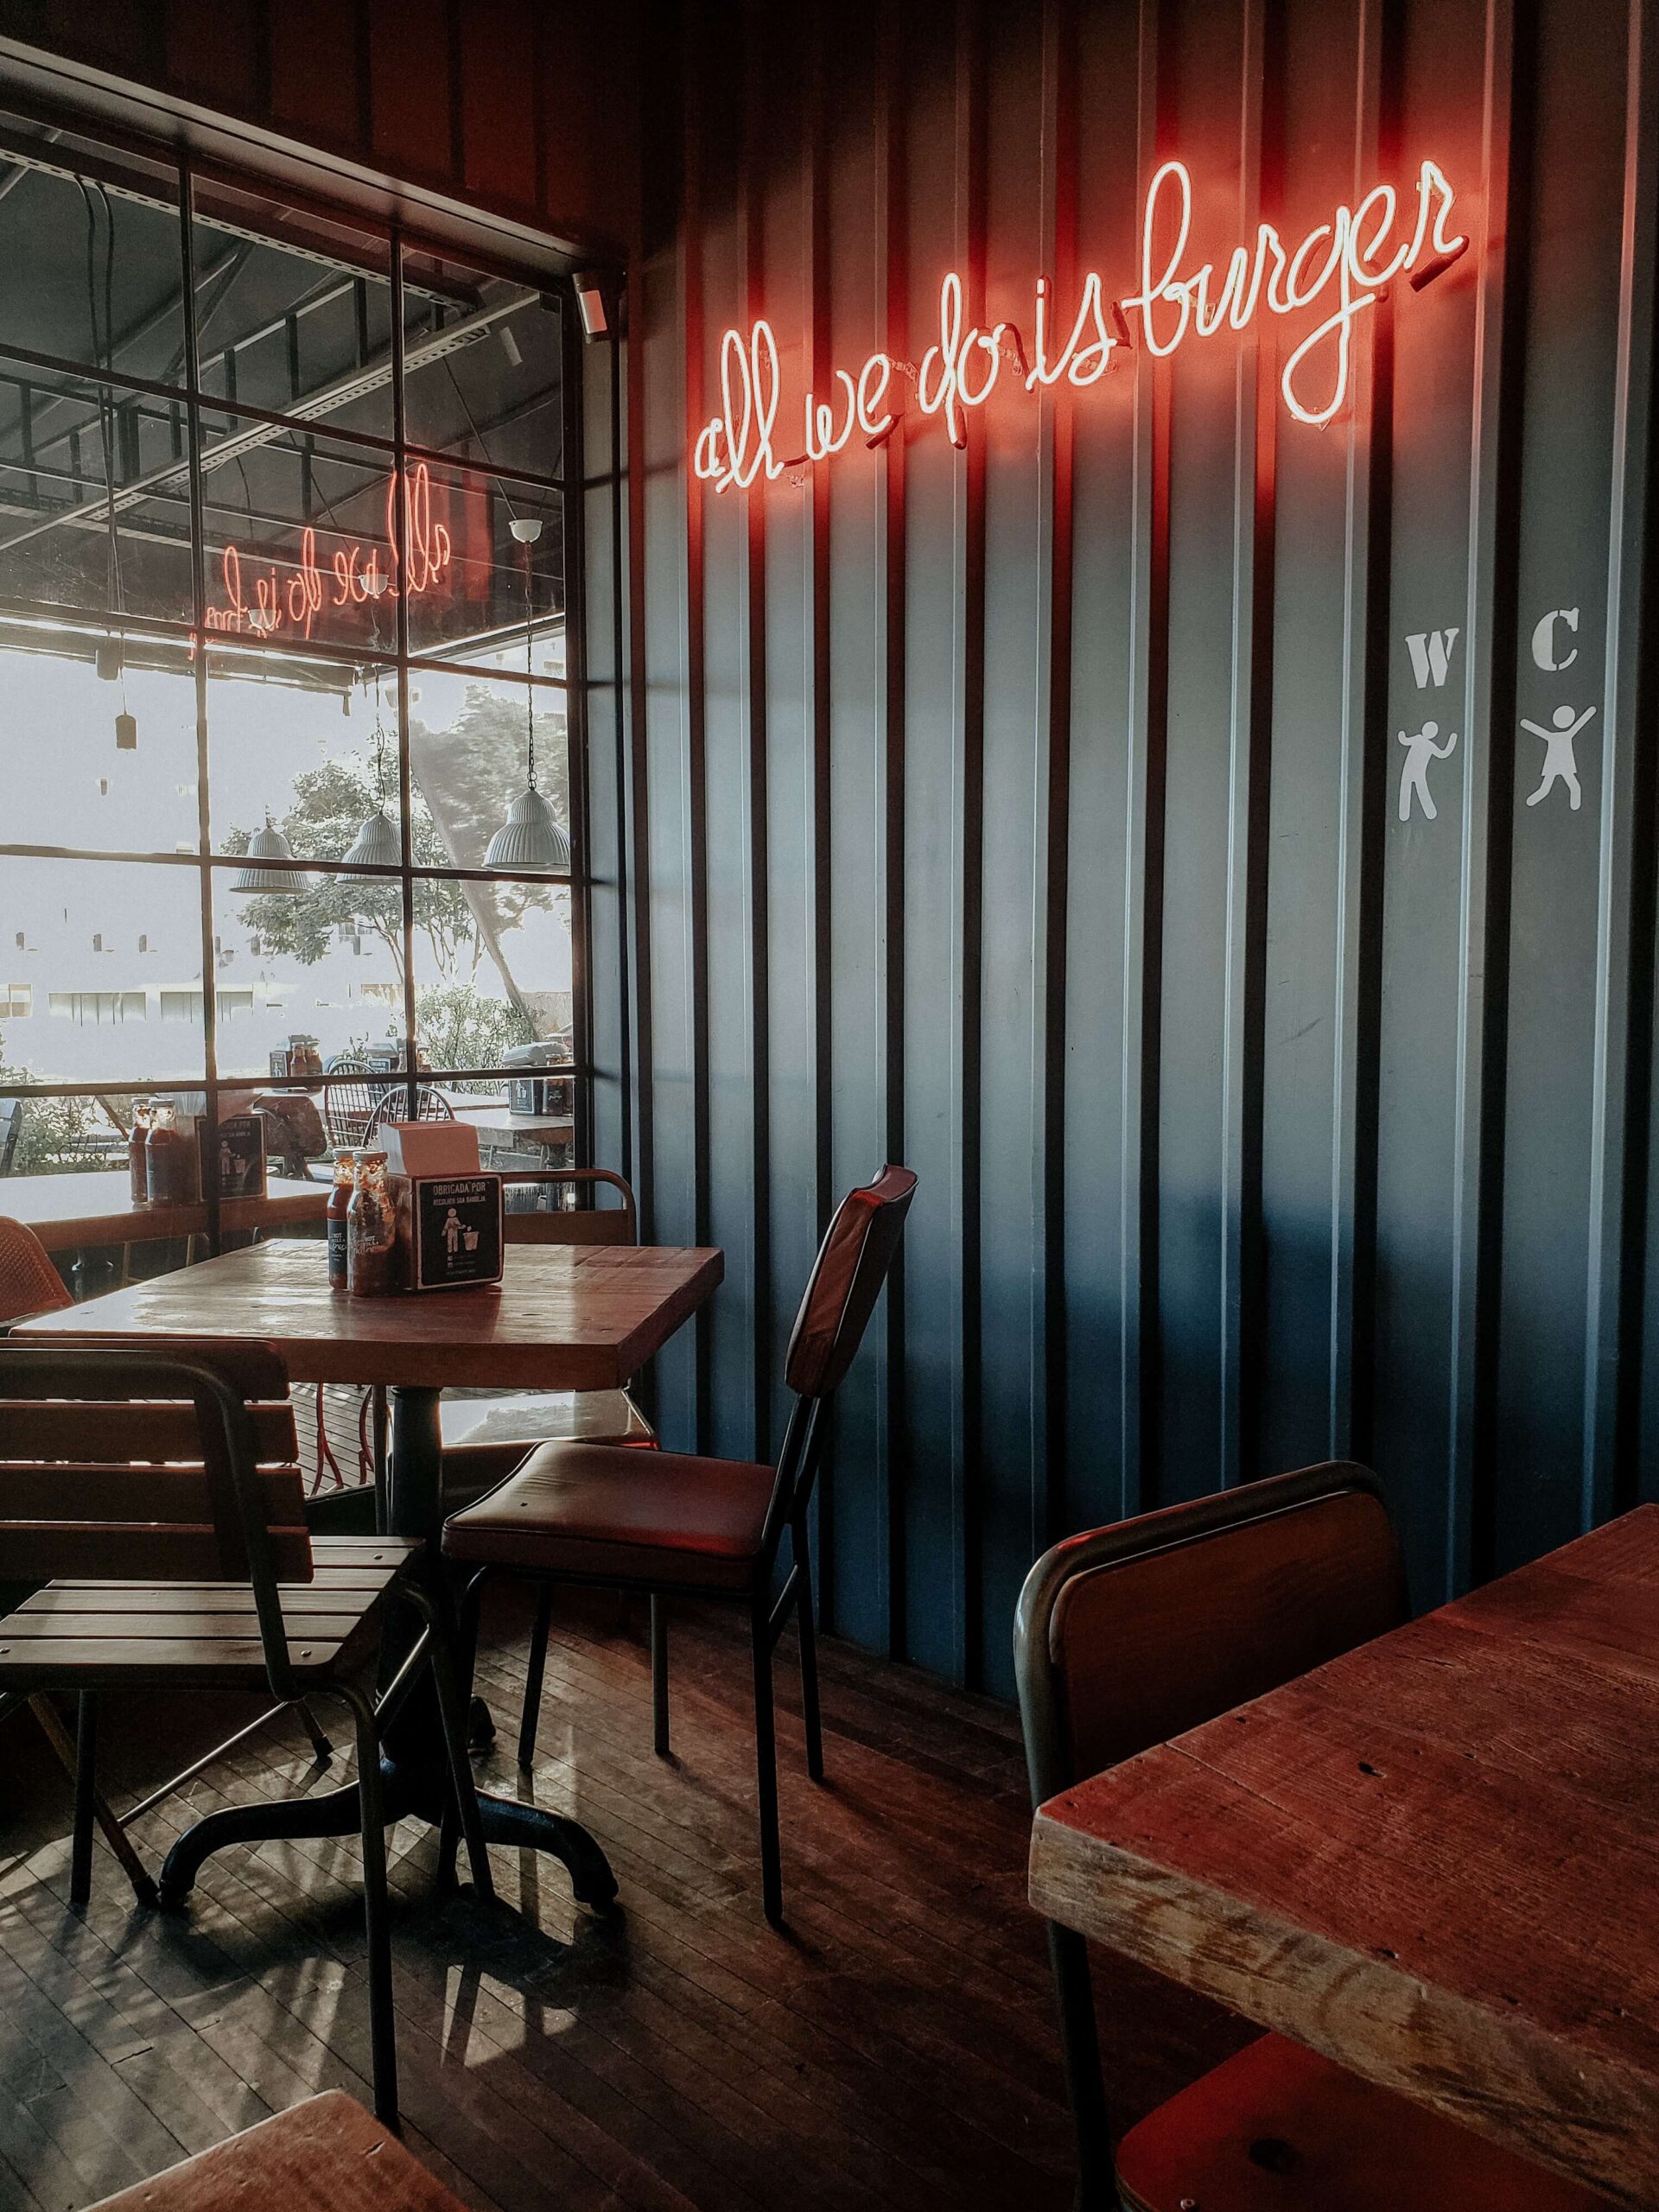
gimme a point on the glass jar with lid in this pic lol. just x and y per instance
(370, 1230)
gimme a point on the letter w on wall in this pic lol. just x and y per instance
(1431, 655)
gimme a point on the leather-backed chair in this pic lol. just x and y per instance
(660, 1522)
(1130, 1635)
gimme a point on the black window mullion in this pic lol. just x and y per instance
(406, 779)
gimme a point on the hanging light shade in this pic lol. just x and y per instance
(377, 844)
(270, 844)
(530, 840)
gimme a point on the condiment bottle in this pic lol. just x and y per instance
(167, 1156)
(137, 1160)
(370, 1230)
(340, 1200)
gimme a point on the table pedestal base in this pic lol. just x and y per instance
(415, 1781)
(334, 1812)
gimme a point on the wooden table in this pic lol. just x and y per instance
(1435, 1859)
(495, 1123)
(574, 1318)
(68, 1211)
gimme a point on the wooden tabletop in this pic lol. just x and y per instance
(1435, 1859)
(494, 1122)
(67, 1210)
(577, 1318)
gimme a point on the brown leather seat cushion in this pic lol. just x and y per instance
(1278, 2129)
(663, 1518)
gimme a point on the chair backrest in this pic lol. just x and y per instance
(430, 1105)
(29, 1282)
(1128, 1636)
(858, 1248)
(580, 1224)
(349, 1102)
(118, 1463)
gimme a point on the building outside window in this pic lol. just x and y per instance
(284, 557)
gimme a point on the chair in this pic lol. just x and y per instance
(1129, 1635)
(350, 1100)
(430, 1105)
(316, 2157)
(175, 1471)
(29, 1284)
(658, 1521)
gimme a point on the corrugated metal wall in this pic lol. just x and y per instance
(1032, 813)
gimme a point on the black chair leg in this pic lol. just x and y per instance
(766, 1761)
(382, 2031)
(80, 1852)
(660, 1676)
(807, 1628)
(321, 1748)
(532, 1717)
(1080, 2052)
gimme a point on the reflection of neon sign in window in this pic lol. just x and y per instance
(261, 604)
(1338, 270)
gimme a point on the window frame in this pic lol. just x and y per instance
(400, 240)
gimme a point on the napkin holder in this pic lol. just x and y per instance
(450, 1234)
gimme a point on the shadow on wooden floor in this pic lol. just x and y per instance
(894, 2046)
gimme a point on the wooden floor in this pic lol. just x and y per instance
(894, 2046)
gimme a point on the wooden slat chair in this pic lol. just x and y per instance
(1130, 1635)
(667, 1521)
(175, 1472)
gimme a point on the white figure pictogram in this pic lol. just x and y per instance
(1414, 777)
(1560, 766)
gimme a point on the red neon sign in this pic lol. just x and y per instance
(1337, 271)
(264, 604)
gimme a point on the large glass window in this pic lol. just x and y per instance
(283, 708)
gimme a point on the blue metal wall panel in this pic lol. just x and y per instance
(1051, 821)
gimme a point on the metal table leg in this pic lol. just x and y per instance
(413, 1775)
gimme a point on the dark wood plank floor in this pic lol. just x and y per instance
(894, 2046)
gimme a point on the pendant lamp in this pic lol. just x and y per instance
(270, 844)
(530, 840)
(377, 844)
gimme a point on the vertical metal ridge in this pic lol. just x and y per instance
(892, 246)
(573, 538)
(967, 1455)
(625, 976)
(1485, 827)
(752, 193)
(1249, 740)
(697, 686)
(1621, 1078)
(639, 786)
(1366, 538)
(1051, 875)
(1143, 875)
(816, 188)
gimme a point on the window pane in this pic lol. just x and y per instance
(94, 497)
(324, 963)
(298, 544)
(468, 594)
(100, 968)
(310, 745)
(76, 773)
(468, 746)
(91, 258)
(497, 975)
(482, 366)
(293, 313)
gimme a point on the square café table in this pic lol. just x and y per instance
(564, 1317)
(1434, 1860)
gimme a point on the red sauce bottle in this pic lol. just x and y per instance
(340, 1200)
(138, 1158)
(167, 1157)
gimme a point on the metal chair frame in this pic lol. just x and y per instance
(1048, 1758)
(106, 1375)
